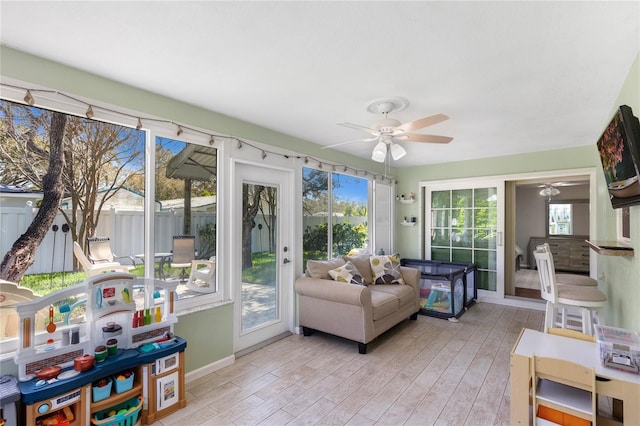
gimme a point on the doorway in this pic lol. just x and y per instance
(537, 219)
(262, 267)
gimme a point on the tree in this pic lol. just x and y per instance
(251, 198)
(268, 201)
(99, 159)
(21, 255)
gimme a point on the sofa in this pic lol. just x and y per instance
(357, 297)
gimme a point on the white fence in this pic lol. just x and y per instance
(125, 228)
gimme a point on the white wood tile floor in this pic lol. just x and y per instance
(429, 371)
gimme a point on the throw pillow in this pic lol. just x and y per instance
(386, 269)
(361, 262)
(347, 273)
(321, 268)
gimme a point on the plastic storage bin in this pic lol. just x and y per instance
(126, 414)
(123, 385)
(100, 393)
(619, 348)
(446, 288)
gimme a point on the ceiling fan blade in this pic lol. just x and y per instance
(359, 127)
(350, 141)
(422, 122)
(415, 137)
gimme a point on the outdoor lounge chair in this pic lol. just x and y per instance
(99, 251)
(184, 251)
(96, 268)
(203, 271)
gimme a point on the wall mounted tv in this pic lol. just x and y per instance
(619, 149)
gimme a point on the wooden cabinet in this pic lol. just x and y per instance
(569, 254)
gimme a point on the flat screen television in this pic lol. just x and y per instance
(619, 149)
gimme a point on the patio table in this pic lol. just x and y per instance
(162, 258)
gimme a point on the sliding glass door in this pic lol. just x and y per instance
(465, 224)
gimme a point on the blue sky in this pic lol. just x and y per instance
(351, 188)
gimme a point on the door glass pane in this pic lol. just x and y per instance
(259, 255)
(441, 199)
(465, 231)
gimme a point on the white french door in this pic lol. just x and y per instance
(262, 253)
(464, 222)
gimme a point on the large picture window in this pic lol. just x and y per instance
(335, 214)
(103, 194)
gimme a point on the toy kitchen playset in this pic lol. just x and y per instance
(116, 363)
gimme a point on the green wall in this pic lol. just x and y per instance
(621, 274)
(621, 279)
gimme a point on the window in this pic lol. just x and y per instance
(186, 205)
(105, 180)
(624, 225)
(335, 214)
(101, 187)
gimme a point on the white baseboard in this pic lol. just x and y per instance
(518, 302)
(209, 368)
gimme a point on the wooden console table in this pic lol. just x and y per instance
(614, 383)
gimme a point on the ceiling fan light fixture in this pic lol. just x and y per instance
(379, 152)
(549, 191)
(397, 151)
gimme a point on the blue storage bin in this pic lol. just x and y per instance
(123, 385)
(100, 393)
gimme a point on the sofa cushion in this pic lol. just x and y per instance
(404, 293)
(383, 304)
(386, 269)
(361, 262)
(321, 268)
(347, 273)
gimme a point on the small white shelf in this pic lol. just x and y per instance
(403, 223)
(407, 201)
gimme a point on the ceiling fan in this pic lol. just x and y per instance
(389, 131)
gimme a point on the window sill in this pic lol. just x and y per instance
(202, 307)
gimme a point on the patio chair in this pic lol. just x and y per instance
(203, 271)
(184, 251)
(99, 251)
(96, 268)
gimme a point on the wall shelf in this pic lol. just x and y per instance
(610, 248)
(403, 223)
(409, 201)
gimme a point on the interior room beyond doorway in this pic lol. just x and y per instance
(550, 209)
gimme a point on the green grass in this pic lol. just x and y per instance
(263, 270)
(43, 284)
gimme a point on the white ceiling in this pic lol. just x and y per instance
(513, 76)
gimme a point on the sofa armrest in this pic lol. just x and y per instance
(333, 291)
(411, 276)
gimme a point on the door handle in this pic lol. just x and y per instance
(285, 261)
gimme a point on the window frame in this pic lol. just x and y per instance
(624, 215)
(153, 127)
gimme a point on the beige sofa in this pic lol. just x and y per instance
(355, 312)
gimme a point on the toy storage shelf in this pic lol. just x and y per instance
(447, 289)
(117, 398)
